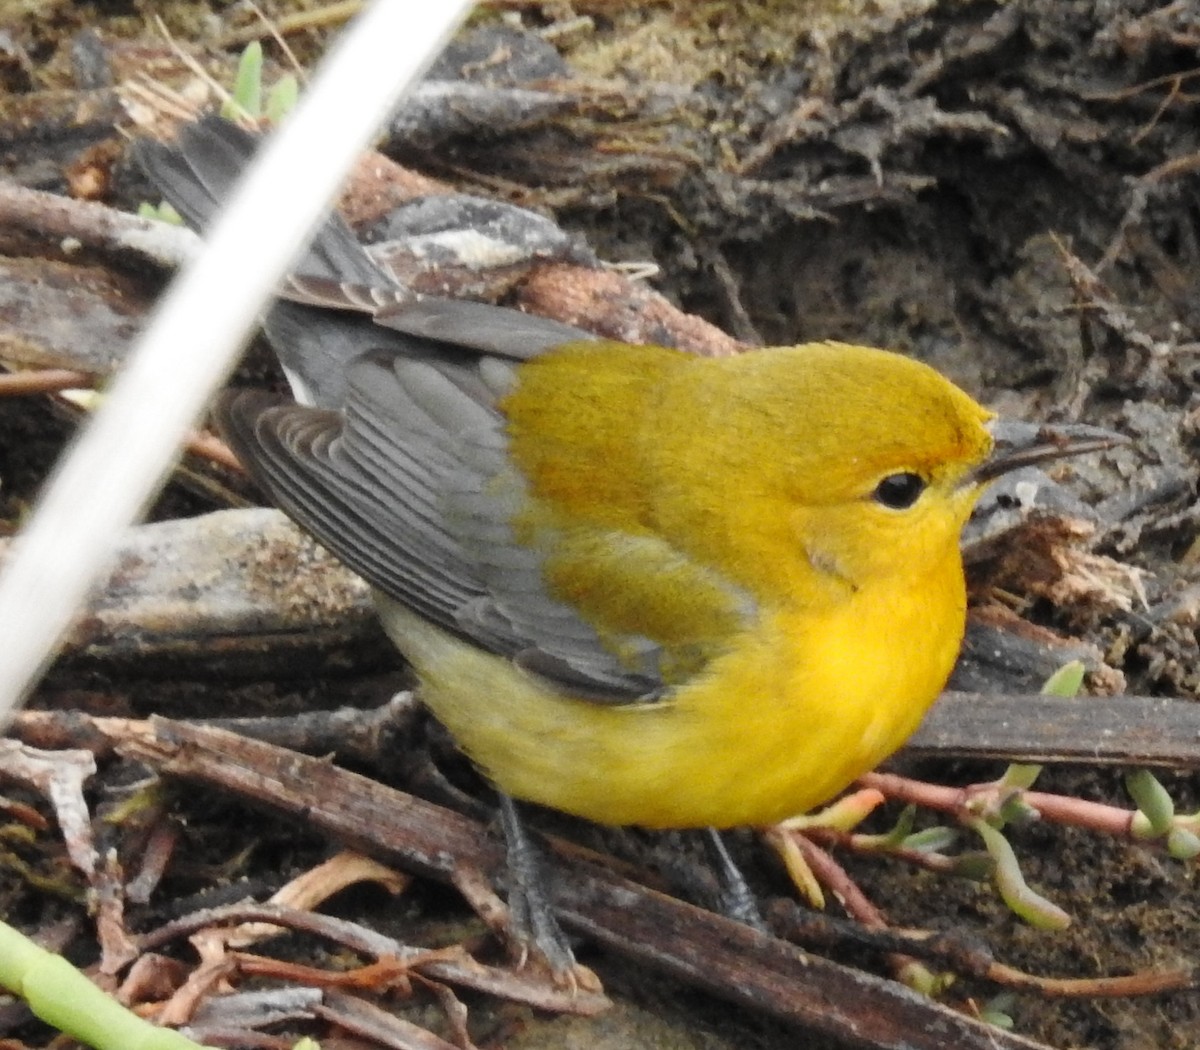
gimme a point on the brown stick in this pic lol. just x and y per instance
(727, 958)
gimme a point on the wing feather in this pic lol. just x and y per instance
(402, 466)
(409, 485)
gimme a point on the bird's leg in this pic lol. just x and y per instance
(534, 930)
(735, 899)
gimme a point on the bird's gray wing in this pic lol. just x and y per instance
(396, 461)
(410, 485)
(328, 324)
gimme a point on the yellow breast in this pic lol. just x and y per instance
(788, 717)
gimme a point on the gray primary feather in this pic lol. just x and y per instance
(395, 487)
(401, 467)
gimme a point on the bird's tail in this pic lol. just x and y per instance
(338, 303)
(197, 172)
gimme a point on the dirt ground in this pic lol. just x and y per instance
(1005, 190)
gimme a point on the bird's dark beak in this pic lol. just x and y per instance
(1028, 444)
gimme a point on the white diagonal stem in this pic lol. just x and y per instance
(121, 457)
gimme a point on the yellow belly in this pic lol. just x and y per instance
(779, 724)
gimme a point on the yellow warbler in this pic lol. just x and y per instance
(758, 555)
(637, 585)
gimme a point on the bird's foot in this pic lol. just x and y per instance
(735, 899)
(535, 937)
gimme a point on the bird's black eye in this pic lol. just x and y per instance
(899, 491)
